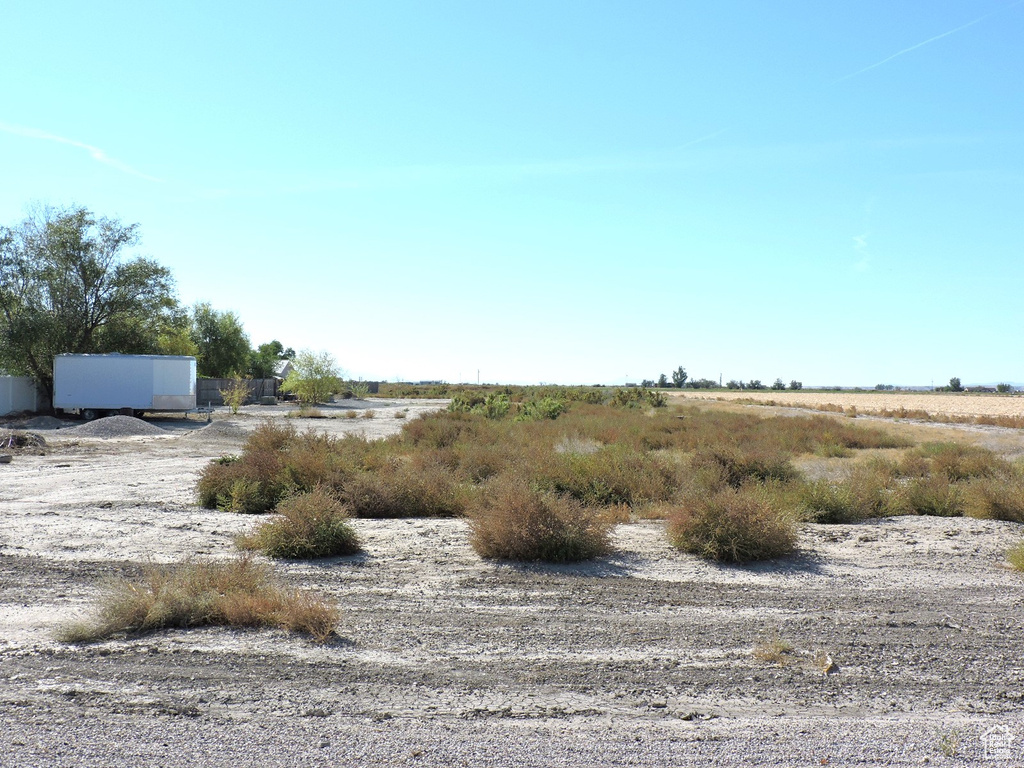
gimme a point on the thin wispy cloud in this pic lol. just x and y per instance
(860, 242)
(96, 153)
(930, 40)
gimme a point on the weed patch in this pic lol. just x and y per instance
(240, 593)
(1015, 556)
(995, 498)
(774, 651)
(934, 495)
(511, 521)
(309, 525)
(733, 525)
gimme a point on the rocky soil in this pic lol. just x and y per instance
(902, 636)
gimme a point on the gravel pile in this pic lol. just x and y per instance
(116, 426)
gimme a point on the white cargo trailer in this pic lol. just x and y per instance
(97, 385)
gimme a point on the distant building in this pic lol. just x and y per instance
(282, 369)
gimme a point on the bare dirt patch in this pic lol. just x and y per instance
(645, 657)
(933, 403)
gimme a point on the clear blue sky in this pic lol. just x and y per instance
(570, 192)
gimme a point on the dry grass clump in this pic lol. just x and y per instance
(310, 525)
(402, 490)
(938, 479)
(239, 593)
(511, 521)
(774, 651)
(934, 495)
(250, 483)
(277, 462)
(235, 486)
(733, 525)
(1015, 556)
(437, 430)
(961, 462)
(306, 412)
(740, 464)
(866, 491)
(609, 476)
(995, 498)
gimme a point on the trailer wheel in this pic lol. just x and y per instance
(89, 414)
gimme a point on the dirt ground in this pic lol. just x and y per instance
(905, 635)
(961, 404)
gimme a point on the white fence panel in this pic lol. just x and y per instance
(18, 393)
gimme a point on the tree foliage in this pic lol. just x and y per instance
(264, 359)
(222, 346)
(314, 377)
(65, 287)
(679, 377)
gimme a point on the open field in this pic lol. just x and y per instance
(902, 635)
(936, 403)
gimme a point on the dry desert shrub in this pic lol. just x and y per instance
(995, 498)
(236, 485)
(733, 525)
(239, 593)
(436, 429)
(313, 459)
(933, 495)
(309, 525)
(479, 461)
(1015, 556)
(962, 462)
(612, 475)
(277, 462)
(512, 521)
(867, 491)
(912, 464)
(774, 651)
(740, 464)
(306, 412)
(402, 490)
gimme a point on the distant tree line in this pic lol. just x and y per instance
(680, 380)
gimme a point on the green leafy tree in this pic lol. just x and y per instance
(679, 377)
(954, 385)
(67, 287)
(662, 381)
(778, 384)
(794, 384)
(264, 359)
(221, 343)
(314, 377)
